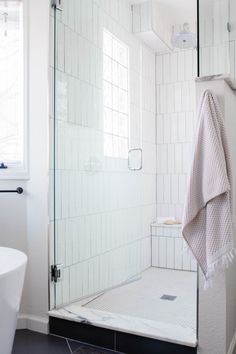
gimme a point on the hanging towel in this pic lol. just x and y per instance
(207, 218)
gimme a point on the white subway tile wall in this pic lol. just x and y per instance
(175, 98)
(103, 210)
(169, 249)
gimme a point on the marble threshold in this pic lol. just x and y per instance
(128, 324)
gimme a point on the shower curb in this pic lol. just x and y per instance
(114, 340)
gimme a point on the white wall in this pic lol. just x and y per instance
(37, 186)
(24, 218)
(13, 221)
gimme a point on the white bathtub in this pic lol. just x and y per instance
(12, 272)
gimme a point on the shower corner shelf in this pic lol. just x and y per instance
(150, 28)
(175, 226)
(153, 41)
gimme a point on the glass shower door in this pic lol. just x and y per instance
(214, 37)
(104, 191)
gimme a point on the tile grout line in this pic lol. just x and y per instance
(68, 346)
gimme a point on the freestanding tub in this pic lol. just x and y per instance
(12, 272)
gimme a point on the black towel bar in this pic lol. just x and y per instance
(18, 190)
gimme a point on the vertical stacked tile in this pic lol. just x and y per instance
(169, 249)
(175, 99)
(175, 90)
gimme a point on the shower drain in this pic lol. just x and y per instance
(168, 297)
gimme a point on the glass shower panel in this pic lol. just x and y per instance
(105, 200)
(232, 37)
(214, 32)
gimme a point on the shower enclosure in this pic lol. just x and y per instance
(122, 120)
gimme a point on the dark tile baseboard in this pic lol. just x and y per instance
(114, 340)
(28, 342)
(81, 332)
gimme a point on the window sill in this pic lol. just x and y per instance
(14, 175)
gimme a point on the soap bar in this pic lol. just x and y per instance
(169, 222)
(172, 222)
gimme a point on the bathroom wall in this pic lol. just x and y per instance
(175, 73)
(175, 97)
(13, 220)
(103, 210)
(214, 37)
(169, 248)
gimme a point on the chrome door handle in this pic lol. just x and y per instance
(140, 165)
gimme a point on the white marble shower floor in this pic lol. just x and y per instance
(137, 307)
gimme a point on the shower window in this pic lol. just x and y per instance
(115, 96)
(11, 88)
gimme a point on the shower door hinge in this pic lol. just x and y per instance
(57, 4)
(228, 27)
(56, 272)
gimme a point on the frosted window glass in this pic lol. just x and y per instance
(115, 97)
(122, 76)
(115, 79)
(107, 120)
(123, 125)
(122, 55)
(107, 68)
(115, 123)
(123, 104)
(107, 88)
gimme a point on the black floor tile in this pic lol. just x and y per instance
(78, 348)
(27, 342)
(84, 349)
(74, 344)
